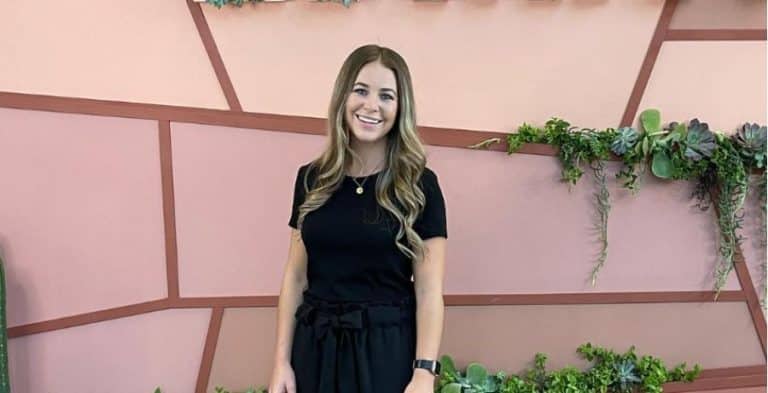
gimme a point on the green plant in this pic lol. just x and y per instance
(760, 190)
(5, 380)
(751, 139)
(240, 3)
(576, 147)
(219, 389)
(610, 372)
(718, 164)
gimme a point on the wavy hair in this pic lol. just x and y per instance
(397, 188)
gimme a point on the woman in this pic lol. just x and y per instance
(361, 307)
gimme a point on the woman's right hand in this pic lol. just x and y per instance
(283, 379)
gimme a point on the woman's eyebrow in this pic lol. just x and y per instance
(389, 90)
(382, 89)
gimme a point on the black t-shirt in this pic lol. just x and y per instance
(350, 244)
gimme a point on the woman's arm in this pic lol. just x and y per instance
(294, 282)
(428, 281)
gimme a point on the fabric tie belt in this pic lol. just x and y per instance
(335, 325)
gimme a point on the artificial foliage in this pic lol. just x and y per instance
(609, 372)
(719, 164)
(240, 3)
(5, 380)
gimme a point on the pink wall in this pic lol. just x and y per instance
(81, 222)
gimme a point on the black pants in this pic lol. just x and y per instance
(353, 347)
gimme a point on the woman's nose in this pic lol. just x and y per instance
(371, 103)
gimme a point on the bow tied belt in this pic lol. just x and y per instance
(334, 325)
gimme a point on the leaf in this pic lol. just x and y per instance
(662, 165)
(447, 367)
(646, 146)
(451, 388)
(651, 120)
(476, 374)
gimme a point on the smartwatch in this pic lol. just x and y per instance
(433, 366)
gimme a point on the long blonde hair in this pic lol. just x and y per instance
(397, 183)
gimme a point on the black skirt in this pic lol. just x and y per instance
(353, 347)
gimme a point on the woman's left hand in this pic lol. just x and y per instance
(421, 382)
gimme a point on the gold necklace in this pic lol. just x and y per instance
(359, 190)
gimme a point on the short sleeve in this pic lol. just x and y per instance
(298, 196)
(432, 221)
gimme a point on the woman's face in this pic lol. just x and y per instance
(371, 106)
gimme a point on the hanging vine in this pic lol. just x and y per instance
(717, 163)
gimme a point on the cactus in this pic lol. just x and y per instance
(5, 383)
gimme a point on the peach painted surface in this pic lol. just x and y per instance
(128, 355)
(722, 83)
(81, 213)
(136, 51)
(244, 353)
(476, 65)
(719, 14)
(233, 191)
(508, 337)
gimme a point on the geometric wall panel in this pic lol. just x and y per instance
(244, 352)
(718, 14)
(722, 83)
(128, 355)
(81, 213)
(106, 50)
(233, 190)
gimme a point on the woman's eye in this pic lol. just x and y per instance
(360, 91)
(387, 97)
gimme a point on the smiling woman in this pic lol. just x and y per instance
(361, 304)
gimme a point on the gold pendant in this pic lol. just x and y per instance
(359, 190)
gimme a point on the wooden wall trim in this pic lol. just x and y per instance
(214, 56)
(644, 75)
(87, 318)
(169, 209)
(450, 300)
(209, 350)
(733, 382)
(753, 301)
(715, 35)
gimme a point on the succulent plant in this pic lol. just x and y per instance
(626, 376)
(700, 141)
(626, 139)
(651, 121)
(751, 139)
(476, 380)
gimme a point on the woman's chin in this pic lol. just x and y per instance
(367, 136)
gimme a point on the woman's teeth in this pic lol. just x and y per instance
(368, 120)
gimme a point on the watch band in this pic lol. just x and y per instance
(433, 366)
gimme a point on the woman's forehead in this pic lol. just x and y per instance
(376, 75)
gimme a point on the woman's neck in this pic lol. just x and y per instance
(373, 156)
